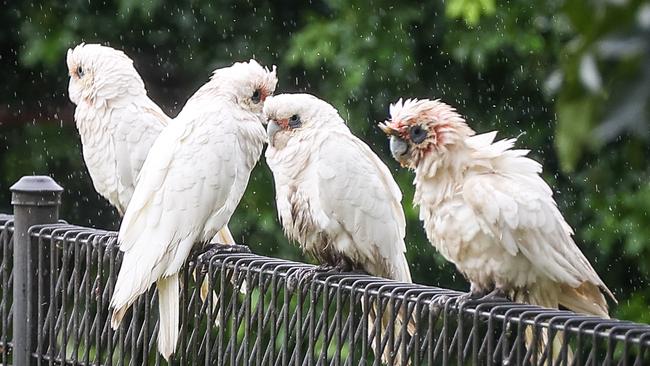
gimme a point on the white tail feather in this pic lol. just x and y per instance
(546, 296)
(168, 315)
(131, 282)
(223, 237)
(397, 331)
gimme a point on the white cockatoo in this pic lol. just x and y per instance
(487, 210)
(334, 196)
(189, 186)
(117, 121)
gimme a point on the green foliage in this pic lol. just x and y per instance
(470, 10)
(574, 124)
(571, 78)
(606, 86)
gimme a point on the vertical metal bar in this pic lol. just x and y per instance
(351, 329)
(52, 302)
(36, 200)
(311, 319)
(286, 303)
(181, 353)
(97, 293)
(222, 310)
(76, 247)
(298, 325)
(41, 270)
(248, 317)
(260, 317)
(365, 326)
(87, 296)
(63, 288)
(322, 358)
(6, 272)
(210, 314)
(338, 326)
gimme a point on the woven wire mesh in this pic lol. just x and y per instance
(260, 313)
(6, 287)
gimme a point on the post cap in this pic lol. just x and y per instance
(36, 183)
(36, 190)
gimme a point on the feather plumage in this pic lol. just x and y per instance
(334, 195)
(487, 210)
(190, 184)
(117, 121)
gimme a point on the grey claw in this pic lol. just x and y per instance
(439, 301)
(496, 294)
(216, 249)
(210, 250)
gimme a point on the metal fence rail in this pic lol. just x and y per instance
(261, 313)
(6, 286)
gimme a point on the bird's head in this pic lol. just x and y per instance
(423, 128)
(99, 73)
(291, 114)
(247, 83)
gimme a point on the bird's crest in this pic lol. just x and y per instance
(251, 72)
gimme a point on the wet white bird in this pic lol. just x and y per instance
(117, 121)
(192, 181)
(487, 210)
(334, 195)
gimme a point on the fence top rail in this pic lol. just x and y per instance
(497, 310)
(4, 218)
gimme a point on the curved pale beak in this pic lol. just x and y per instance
(387, 128)
(399, 148)
(271, 129)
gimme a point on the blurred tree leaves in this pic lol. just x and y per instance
(573, 132)
(606, 87)
(470, 10)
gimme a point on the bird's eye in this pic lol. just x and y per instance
(294, 121)
(80, 72)
(257, 96)
(417, 134)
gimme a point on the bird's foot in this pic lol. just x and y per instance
(459, 301)
(463, 299)
(111, 239)
(439, 301)
(342, 265)
(216, 248)
(496, 294)
(210, 250)
(302, 275)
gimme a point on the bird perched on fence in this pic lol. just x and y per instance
(190, 184)
(334, 195)
(486, 209)
(117, 121)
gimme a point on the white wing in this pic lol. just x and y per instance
(519, 210)
(357, 190)
(137, 127)
(186, 181)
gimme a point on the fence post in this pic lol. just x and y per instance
(36, 200)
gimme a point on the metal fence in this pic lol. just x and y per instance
(260, 314)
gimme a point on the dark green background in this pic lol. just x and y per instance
(570, 78)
